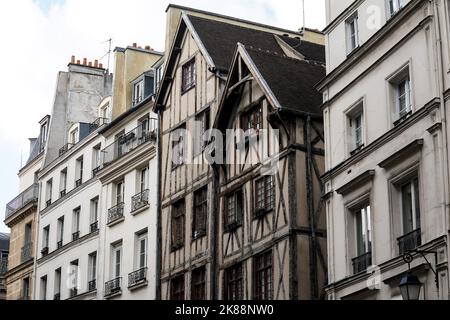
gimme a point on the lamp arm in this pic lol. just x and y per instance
(423, 253)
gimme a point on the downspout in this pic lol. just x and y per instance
(215, 228)
(36, 245)
(441, 85)
(158, 211)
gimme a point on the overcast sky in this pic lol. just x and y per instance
(39, 37)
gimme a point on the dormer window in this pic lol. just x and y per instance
(105, 112)
(74, 136)
(138, 92)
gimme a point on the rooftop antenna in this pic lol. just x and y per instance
(108, 53)
(302, 30)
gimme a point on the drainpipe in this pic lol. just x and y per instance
(158, 211)
(36, 246)
(441, 85)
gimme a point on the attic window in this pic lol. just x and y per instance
(252, 120)
(138, 92)
(188, 81)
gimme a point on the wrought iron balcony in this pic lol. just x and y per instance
(45, 251)
(362, 262)
(79, 182)
(26, 252)
(65, 148)
(76, 236)
(62, 193)
(57, 296)
(95, 171)
(28, 196)
(113, 286)
(94, 227)
(92, 285)
(98, 123)
(137, 277)
(410, 241)
(115, 213)
(73, 292)
(59, 244)
(3, 266)
(129, 142)
(48, 203)
(140, 200)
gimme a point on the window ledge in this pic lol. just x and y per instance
(138, 285)
(261, 213)
(140, 210)
(176, 247)
(199, 235)
(113, 295)
(116, 222)
(231, 227)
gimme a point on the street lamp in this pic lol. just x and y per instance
(410, 287)
(410, 284)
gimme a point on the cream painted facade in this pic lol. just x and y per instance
(386, 104)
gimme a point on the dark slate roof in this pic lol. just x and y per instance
(291, 80)
(4, 242)
(220, 40)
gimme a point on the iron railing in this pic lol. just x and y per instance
(63, 150)
(79, 182)
(362, 262)
(96, 170)
(115, 213)
(57, 296)
(140, 200)
(92, 285)
(28, 196)
(59, 244)
(94, 227)
(128, 142)
(113, 286)
(45, 251)
(26, 252)
(137, 277)
(3, 266)
(73, 292)
(76, 236)
(48, 203)
(410, 241)
(98, 123)
(62, 193)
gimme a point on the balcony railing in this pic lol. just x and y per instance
(115, 213)
(76, 236)
(113, 286)
(62, 193)
(57, 296)
(95, 171)
(137, 277)
(73, 292)
(59, 244)
(48, 203)
(79, 182)
(45, 251)
(3, 266)
(410, 241)
(98, 123)
(28, 196)
(128, 142)
(140, 200)
(26, 252)
(92, 285)
(362, 262)
(65, 148)
(94, 227)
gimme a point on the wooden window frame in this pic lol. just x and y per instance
(253, 118)
(233, 282)
(198, 284)
(177, 288)
(200, 213)
(178, 227)
(263, 270)
(268, 194)
(237, 217)
(188, 75)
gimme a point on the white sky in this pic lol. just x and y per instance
(38, 37)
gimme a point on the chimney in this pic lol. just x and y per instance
(100, 65)
(84, 61)
(90, 64)
(148, 48)
(134, 45)
(96, 63)
(72, 60)
(78, 62)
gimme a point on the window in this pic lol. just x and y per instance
(28, 232)
(177, 288)
(60, 232)
(234, 209)
(178, 224)
(58, 281)
(203, 122)
(116, 261)
(63, 183)
(159, 75)
(355, 130)
(92, 271)
(76, 224)
(252, 120)
(265, 195)
(43, 294)
(94, 214)
(105, 112)
(74, 136)
(233, 283)
(120, 189)
(352, 33)
(395, 6)
(79, 172)
(198, 285)
(26, 289)
(45, 240)
(410, 206)
(43, 136)
(401, 95)
(144, 129)
(363, 224)
(262, 270)
(74, 278)
(200, 213)
(96, 158)
(48, 192)
(141, 254)
(138, 92)
(188, 76)
(143, 179)
(178, 147)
